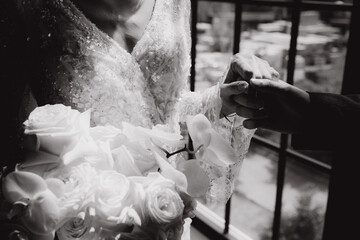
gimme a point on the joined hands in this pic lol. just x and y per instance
(252, 90)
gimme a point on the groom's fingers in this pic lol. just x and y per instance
(249, 101)
(250, 112)
(254, 123)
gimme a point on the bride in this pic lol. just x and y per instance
(126, 60)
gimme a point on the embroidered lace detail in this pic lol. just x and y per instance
(166, 60)
(209, 103)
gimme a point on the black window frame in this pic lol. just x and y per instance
(349, 85)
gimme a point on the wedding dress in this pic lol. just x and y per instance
(82, 67)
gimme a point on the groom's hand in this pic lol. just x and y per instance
(284, 106)
(240, 71)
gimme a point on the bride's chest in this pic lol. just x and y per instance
(82, 62)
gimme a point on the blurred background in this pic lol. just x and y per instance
(280, 193)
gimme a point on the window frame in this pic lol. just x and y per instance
(213, 227)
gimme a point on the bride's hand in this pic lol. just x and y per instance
(241, 70)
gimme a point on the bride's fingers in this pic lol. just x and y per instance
(251, 113)
(274, 74)
(265, 72)
(249, 101)
(263, 67)
(256, 65)
(239, 67)
(234, 88)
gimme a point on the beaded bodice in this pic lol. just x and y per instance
(83, 67)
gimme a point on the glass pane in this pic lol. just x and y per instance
(217, 208)
(321, 50)
(304, 202)
(253, 200)
(266, 34)
(215, 30)
(321, 56)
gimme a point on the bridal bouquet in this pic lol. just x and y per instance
(102, 182)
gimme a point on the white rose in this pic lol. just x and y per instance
(56, 126)
(76, 227)
(127, 156)
(112, 195)
(79, 189)
(162, 202)
(108, 134)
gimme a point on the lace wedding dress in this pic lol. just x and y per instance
(82, 67)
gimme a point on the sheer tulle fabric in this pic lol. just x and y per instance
(84, 68)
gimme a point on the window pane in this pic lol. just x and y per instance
(217, 208)
(321, 56)
(253, 200)
(304, 202)
(321, 50)
(215, 30)
(266, 34)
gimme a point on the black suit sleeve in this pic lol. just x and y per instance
(333, 122)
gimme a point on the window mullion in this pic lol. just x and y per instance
(194, 14)
(280, 186)
(295, 22)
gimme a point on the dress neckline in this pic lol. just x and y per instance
(82, 16)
